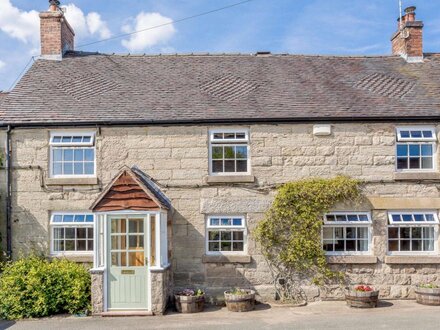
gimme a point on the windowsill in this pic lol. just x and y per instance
(75, 257)
(230, 179)
(71, 181)
(353, 259)
(415, 259)
(416, 176)
(226, 259)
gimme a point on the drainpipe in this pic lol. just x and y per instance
(8, 193)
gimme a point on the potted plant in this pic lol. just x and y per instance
(428, 294)
(361, 296)
(190, 301)
(240, 300)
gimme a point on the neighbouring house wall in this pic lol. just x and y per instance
(3, 194)
(177, 157)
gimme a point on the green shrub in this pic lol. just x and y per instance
(36, 287)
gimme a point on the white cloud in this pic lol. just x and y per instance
(86, 25)
(143, 40)
(2, 64)
(18, 24)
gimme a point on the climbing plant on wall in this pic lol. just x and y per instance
(290, 233)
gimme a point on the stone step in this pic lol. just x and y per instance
(126, 313)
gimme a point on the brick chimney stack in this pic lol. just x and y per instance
(408, 40)
(57, 36)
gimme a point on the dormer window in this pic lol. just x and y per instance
(416, 149)
(72, 154)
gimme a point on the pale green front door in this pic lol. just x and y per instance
(127, 266)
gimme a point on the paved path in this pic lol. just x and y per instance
(322, 315)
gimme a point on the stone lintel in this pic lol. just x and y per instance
(432, 260)
(225, 259)
(391, 203)
(351, 259)
(71, 181)
(230, 179)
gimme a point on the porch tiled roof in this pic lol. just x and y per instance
(98, 88)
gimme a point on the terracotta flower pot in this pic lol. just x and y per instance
(244, 302)
(361, 299)
(428, 296)
(190, 304)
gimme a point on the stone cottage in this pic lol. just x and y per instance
(155, 169)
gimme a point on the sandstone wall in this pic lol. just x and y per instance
(177, 157)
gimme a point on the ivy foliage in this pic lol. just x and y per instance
(37, 287)
(290, 233)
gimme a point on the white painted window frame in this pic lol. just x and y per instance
(427, 224)
(242, 228)
(420, 141)
(54, 225)
(351, 224)
(229, 142)
(73, 146)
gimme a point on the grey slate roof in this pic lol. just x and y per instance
(98, 88)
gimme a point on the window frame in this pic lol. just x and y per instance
(417, 141)
(72, 146)
(53, 225)
(350, 224)
(242, 228)
(229, 142)
(413, 224)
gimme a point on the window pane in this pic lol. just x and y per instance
(396, 217)
(81, 233)
(118, 226)
(405, 232)
(226, 236)
(56, 139)
(214, 221)
(238, 235)
(404, 134)
(66, 139)
(330, 217)
(217, 166)
(217, 152)
(240, 135)
(407, 217)
(428, 245)
(81, 245)
(238, 246)
(218, 136)
(89, 155)
(57, 155)
(242, 165)
(229, 136)
(87, 139)
(362, 232)
(419, 217)
(393, 232)
(350, 232)
(339, 245)
(79, 218)
(362, 245)
(339, 232)
(226, 222)
(226, 246)
(417, 245)
(402, 150)
(237, 222)
(229, 152)
(90, 245)
(89, 168)
(58, 168)
(57, 218)
(90, 233)
(229, 165)
(416, 232)
(135, 242)
(427, 150)
(402, 163)
(68, 218)
(327, 246)
(214, 246)
(350, 245)
(89, 218)
(58, 245)
(327, 233)
(363, 217)
(68, 155)
(77, 139)
(136, 226)
(427, 134)
(405, 245)
(214, 235)
(78, 155)
(58, 233)
(427, 162)
(78, 168)
(428, 233)
(352, 217)
(136, 259)
(393, 245)
(119, 242)
(414, 150)
(341, 217)
(69, 245)
(68, 168)
(70, 232)
(241, 152)
(414, 163)
(119, 259)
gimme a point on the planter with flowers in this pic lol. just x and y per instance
(240, 300)
(428, 294)
(190, 301)
(362, 296)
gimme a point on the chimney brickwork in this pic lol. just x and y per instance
(408, 40)
(57, 36)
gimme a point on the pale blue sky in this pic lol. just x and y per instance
(340, 27)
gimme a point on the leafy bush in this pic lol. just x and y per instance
(36, 287)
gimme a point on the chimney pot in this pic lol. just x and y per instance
(410, 14)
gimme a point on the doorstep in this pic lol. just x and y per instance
(126, 313)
